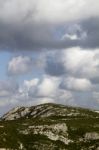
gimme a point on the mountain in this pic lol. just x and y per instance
(49, 127)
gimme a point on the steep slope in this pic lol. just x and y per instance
(50, 127)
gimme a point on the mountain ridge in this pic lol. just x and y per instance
(38, 110)
(50, 127)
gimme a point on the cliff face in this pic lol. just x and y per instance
(49, 127)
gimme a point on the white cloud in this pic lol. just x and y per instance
(47, 11)
(68, 36)
(48, 86)
(74, 32)
(7, 88)
(77, 84)
(20, 65)
(31, 83)
(60, 96)
(81, 63)
(47, 89)
(96, 97)
(43, 90)
(4, 102)
(43, 100)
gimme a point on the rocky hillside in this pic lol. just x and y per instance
(49, 127)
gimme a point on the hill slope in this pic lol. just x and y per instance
(49, 127)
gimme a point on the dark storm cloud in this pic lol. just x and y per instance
(31, 25)
(54, 67)
(91, 27)
(95, 80)
(29, 36)
(24, 36)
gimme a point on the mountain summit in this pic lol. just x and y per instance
(49, 127)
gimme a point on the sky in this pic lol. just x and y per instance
(49, 53)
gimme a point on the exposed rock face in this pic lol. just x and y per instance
(92, 136)
(16, 113)
(44, 110)
(97, 111)
(54, 132)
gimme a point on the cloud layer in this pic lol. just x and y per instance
(20, 65)
(67, 76)
(61, 23)
(45, 11)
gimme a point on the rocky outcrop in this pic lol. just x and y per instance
(46, 110)
(54, 132)
(92, 136)
(16, 113)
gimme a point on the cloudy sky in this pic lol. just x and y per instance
(49, 52)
